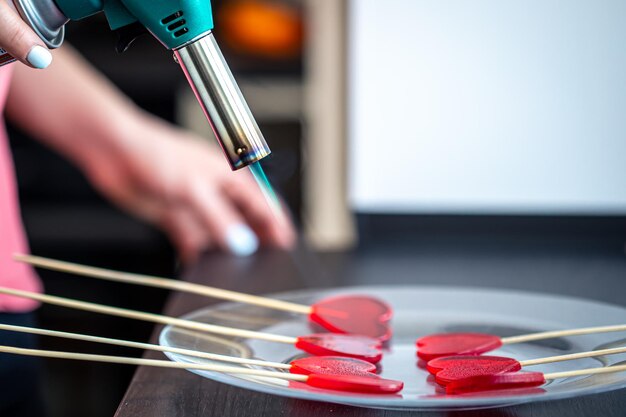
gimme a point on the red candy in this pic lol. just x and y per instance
(329, 344)
(344, 374)
(454, 368)
(364, 384)
(507, 380)
(331, 365)
(455, 344)
(359, 315)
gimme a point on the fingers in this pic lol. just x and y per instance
(272, 224)
(187, 234)
(19, 40)
(222, 220)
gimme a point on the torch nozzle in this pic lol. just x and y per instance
(222, 102)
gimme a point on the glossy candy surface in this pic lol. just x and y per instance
(452, 368)
(455, 344)
(417, 312)
(332, 365)
(330, 344)
(507, 380)
(351, 383)
(358, 315)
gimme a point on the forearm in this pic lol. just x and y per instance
(71, 107)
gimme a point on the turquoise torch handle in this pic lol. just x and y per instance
(174, 23)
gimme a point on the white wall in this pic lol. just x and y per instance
(483, 106)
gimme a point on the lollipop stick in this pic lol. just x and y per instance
(154, 318)
(590, 371)
(158, 282)
(145, 346)
(562, 333)
(150, 362)
(572, 356)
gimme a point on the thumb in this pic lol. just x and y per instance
(19, 40)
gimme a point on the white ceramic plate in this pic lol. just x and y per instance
(419, 311)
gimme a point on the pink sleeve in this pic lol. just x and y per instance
(12, 237)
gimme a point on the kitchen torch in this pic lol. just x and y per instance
(185, 27)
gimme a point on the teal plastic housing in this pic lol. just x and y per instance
(173, 22)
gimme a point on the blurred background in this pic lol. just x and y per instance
(390, 121)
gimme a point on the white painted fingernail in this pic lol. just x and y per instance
(241, 240)
(39, 57)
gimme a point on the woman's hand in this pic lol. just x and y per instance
(19, 40)
(183, 185)
(156, 171)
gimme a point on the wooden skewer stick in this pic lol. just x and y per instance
(562, 333)
(589, 371)
(572, 356)
(145, 346)
(154, 318)
(158, 282)
(150, 362)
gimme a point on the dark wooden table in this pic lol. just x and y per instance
(595, 270)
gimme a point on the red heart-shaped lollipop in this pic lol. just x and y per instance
(508, 380)
(453, 368)
(332, 365)
(365, 384)
(360, 315)
(455, 344)
(330, 344)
